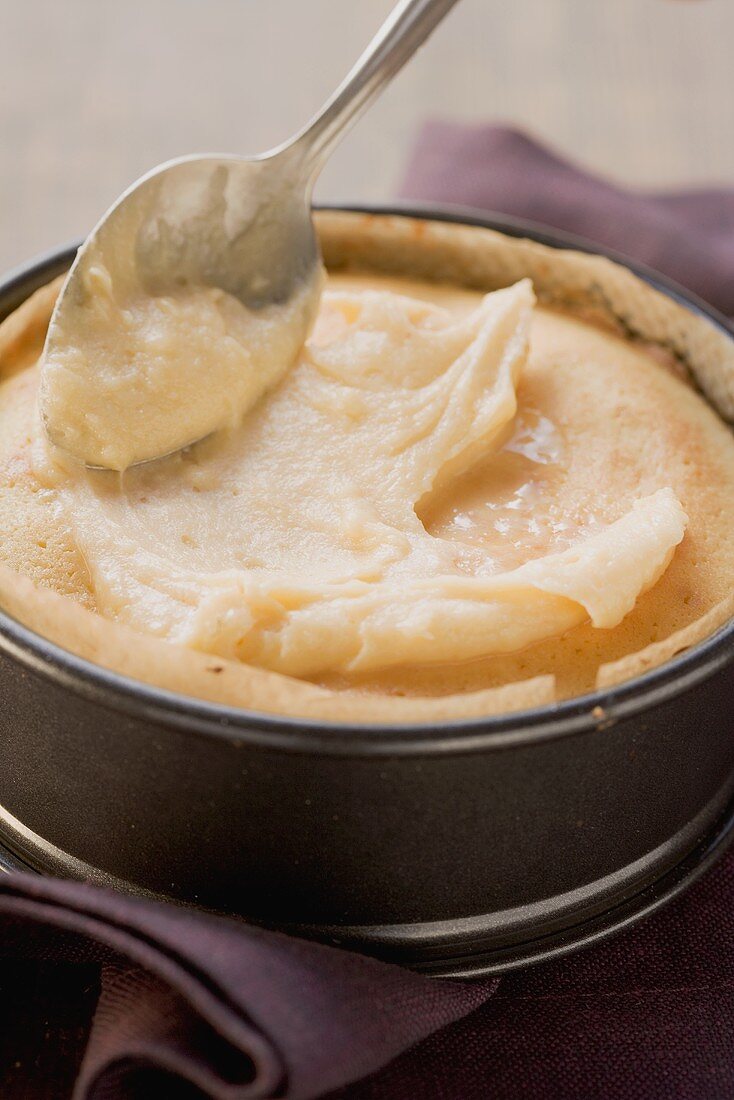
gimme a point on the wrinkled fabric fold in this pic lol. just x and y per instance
(234, 1010)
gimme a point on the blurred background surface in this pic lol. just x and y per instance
(93, 93)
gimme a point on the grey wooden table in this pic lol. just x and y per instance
(92, 92)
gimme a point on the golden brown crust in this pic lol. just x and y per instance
(22, 333)
(636, 664)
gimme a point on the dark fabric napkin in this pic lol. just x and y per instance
(112, 998)
(688, 235)
(224, 1007)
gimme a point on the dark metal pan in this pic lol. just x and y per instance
(460, 848)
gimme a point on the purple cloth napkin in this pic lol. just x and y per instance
(110, 998)
(687, 235)
(193, 1001)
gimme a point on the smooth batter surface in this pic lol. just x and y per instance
(292, 543)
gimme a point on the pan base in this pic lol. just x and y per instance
(485, 953)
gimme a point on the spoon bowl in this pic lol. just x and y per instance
(237, 228)
(242, 224)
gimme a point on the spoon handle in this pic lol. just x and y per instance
(405, 29)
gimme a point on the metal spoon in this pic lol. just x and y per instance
(242, 224)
